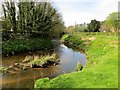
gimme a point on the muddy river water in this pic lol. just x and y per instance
(26, 78)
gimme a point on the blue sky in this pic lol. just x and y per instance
(81, 11)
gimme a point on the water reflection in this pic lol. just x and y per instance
(69, 58)
(26, 78)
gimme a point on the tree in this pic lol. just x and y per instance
(70, 29)
(93, 26)
(80, 27)
(40, 17)
(104, 27)
(32, 16)
(112, 21)
(26, 18)
(10, 14)
(6, 25)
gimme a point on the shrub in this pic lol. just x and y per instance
(25, 45)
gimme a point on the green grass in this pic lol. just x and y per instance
(73, 40)
(64, 37)
(101, 70)
(25, 45)
(3, 69)
(43, 59)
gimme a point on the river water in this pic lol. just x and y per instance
(26, 78)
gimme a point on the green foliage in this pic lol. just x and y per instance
(112, 22)
(63, 38)
(105, 28)
(58, 30)
(73, 40)
(9, 15)
(101, 67)
(32, 16)
(6, 25)
(79, 67)
(43, 60)
(70, 29)
(42, 81)
(93, 26)
(80, 28)
(25, 45)
(3, 69)
(76, 28)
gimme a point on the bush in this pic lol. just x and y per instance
(42, 82)
(64, 37)
(73, 40)
(25, 45)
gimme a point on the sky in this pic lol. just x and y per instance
(80, 11)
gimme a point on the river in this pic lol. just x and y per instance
(26, 78)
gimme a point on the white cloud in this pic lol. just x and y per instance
(95, 9)
(81, 17)
(74, 0)
(99, 11)
(105, 8)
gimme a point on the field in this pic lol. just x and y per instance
(101, 70)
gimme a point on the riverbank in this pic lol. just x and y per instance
(26, 45)
(20, 66)
(101, 70)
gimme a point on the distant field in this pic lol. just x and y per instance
(101, 70)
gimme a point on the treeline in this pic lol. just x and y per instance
(111, 24)
(30, 19)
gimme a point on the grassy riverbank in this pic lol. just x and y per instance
(25, 45)
(102, 66)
